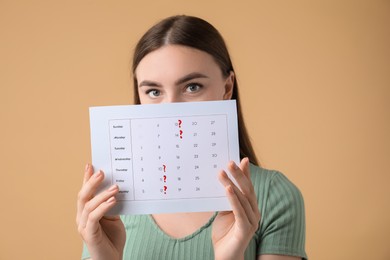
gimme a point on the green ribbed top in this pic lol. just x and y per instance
(282, 227)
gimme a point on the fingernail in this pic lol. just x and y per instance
(223, 174)
(235, 167)
(98, 174)
(87, 167)
(113, 187)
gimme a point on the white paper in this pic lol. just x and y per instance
(165, 157)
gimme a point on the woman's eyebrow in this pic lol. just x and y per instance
(191, 76)
(149, 83)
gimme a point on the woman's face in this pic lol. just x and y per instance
(176, 73)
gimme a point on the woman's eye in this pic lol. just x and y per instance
(153, 93)
(193, 87)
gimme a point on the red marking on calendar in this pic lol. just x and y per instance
(179, 123)
(165, 167)
(165, 189)
(165, 178)
(181, 134)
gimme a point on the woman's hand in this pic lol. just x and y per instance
(233, 230)
(104, 236)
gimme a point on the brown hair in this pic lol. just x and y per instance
(196, 33)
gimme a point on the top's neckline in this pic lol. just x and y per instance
(182, 239)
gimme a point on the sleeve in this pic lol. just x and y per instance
(85, 254)
(282, 229)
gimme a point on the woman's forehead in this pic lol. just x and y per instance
(175, 60)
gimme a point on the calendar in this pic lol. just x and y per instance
(165, 158)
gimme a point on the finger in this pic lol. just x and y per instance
(242, 176)
(240, 215)
(242, 181)
(251, 214)
(248, 214)
(95, 203)
(224, 179)
(87, 172)
(88, 191)
(95, 216)
(244, 166)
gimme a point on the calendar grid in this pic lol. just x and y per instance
(135, 194)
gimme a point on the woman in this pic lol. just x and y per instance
(182, 59)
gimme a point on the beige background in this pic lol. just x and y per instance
(315, 77)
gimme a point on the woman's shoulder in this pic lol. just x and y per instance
(266, 177)
(283, 214)
(272, 186)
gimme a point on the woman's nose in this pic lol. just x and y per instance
(173, 98)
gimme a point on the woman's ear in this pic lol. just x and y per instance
(229, 85)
